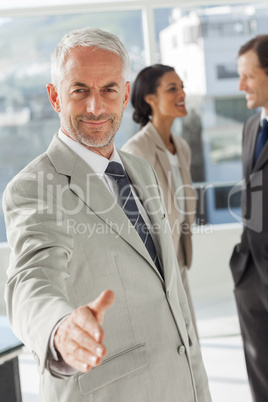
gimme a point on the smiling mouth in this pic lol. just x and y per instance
(180, 104)
(95, 123)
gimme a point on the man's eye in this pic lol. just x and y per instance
(109, 90)
(79, 91)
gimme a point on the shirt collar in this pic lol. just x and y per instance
(97, 162)
(263, 115)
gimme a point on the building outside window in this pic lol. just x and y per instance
(208, 40)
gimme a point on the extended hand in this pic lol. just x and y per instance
(79, 338)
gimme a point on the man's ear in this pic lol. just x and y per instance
(53, 97)
(127, 94)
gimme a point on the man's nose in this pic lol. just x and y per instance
(242, 84)
(95, 104)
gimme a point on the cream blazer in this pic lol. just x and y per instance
(69, 241)
(148, 144)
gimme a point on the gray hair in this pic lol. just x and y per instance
(87, 37)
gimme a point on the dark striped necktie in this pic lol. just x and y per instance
(261, 140)
(129, 206)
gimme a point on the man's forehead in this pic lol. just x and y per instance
(87, 65)
(92, 53)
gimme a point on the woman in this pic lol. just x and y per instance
(158, 99)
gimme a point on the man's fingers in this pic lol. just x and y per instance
(101, 304)
(86, 343)
(79, 337)
(80, 359)
(77, 347)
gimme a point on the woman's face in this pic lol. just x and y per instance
(169, 100)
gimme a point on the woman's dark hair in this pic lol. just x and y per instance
(259, 45)
(146, 83)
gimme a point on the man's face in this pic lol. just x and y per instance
(253, 81)
(91, 98)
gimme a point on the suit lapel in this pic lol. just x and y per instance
(86, 185)
(252, 143)
(157, 215)
(263, 159)
(190, 196)
(147, 195)
(159, 150)
(251, 134)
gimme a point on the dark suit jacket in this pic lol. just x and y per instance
(253, 247)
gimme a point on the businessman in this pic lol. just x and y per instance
(88, 232)
(249, 262)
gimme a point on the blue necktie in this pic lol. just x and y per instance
(261, 140)
(129, 206)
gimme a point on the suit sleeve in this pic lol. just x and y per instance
(35, 292)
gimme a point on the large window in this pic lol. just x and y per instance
(27, 120)
(200, 42)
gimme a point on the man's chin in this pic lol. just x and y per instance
(251, 105)
(96, 144)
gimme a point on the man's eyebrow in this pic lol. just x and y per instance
(83, 85)
(111, 85)
(79, 84)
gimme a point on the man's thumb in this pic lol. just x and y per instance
(101, 304)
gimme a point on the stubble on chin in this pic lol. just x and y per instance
(95, 138)
(92, 139)
(90, 143)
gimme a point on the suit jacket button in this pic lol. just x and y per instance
(181, 350)
(168, 294)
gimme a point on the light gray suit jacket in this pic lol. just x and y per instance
(70, 241)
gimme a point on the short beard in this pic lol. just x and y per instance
(83, 139)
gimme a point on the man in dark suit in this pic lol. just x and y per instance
(249, 262)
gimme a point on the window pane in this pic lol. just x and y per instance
(27, 120)
(8, 4)
(202, 44)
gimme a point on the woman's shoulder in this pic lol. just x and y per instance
(141, 142)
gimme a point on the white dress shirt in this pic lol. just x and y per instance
(263, 115)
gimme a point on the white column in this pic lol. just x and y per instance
(149, 34)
